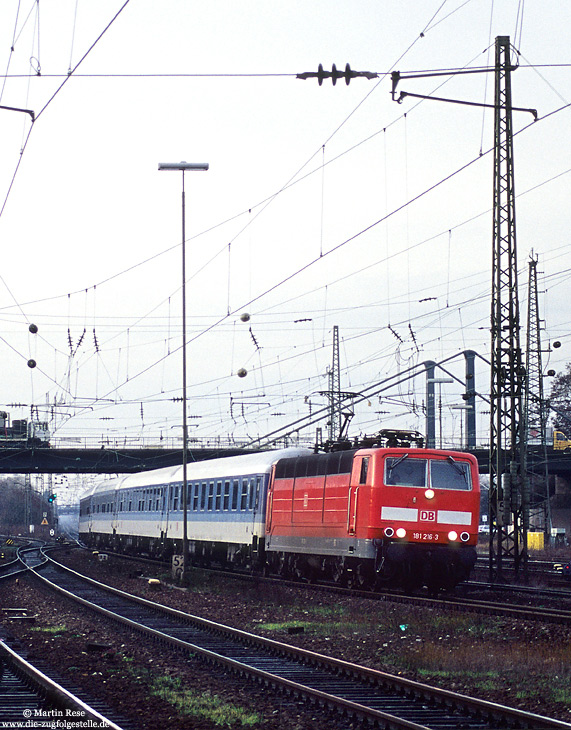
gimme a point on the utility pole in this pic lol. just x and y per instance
(335, 390)
(535, 404)
(339, 416)
(508, 496)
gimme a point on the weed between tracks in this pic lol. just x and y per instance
(204, 705)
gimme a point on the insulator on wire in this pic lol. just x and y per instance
(334, 74)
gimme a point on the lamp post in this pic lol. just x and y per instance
(184, 167)
(466, 408)
(439, 381)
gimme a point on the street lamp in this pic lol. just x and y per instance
(439, 381)
(466, 408)
(184, 167)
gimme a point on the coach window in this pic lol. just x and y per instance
(175, 499)
(218, 496)
(255, 494)
(210, 496)
(196, 500)
(364, 470)
(244, 497)
(226, 506)
(203, 496)
(234, 495)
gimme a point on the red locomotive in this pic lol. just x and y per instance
(375, 516)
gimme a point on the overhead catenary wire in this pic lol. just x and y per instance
(409, 296)
(309, 264)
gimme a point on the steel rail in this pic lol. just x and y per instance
(51, 698)
(429, 700)
(539, 613)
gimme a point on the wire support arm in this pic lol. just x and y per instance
(15, 109)
(404, 94)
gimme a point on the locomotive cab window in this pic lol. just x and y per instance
(450, 474)
(402, 471)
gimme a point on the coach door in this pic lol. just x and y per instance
(115, 517)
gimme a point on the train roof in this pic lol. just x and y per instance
(230, 466)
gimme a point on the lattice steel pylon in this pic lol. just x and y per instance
(508, 496)
(340, 407)
(536, 407)
(335, 390)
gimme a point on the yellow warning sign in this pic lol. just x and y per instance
(44, 521)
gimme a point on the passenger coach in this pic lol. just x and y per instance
(142, 513)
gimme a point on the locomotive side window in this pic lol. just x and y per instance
(364, 470)
(450, 474)
(402, 471)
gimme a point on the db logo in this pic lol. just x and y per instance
(427, 515)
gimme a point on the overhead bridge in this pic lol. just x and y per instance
(101, 461)
(129, 461)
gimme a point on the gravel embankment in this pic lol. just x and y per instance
(521, 664)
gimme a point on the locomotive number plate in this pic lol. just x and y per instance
(425, 536)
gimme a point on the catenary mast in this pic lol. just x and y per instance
(509, 501)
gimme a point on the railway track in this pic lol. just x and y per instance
(491, 608)
(388, 701)
(16, 566)
(561, 615)
(28, 696)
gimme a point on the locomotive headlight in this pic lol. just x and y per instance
(429, 494)
(401, 532)
(452, 536)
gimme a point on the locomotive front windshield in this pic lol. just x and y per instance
(404, 471)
